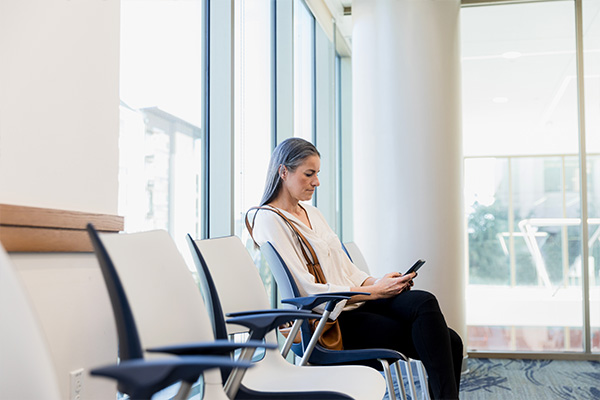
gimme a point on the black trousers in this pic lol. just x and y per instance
(413, 324)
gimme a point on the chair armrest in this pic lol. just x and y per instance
(267, 311)
(310, 302)
(350, 294)
(218, 347)
(260, 324)
(325, 356)
(141, 378)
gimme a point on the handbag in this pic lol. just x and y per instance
(332, 334)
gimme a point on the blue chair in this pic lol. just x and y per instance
(320, 355)
(232, 285)
(141, 259)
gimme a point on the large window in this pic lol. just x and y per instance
(161, 108)
(591, 45)
(304, 73)
(523, 180)
(253, 116)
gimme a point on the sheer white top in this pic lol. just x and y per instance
(341, 274)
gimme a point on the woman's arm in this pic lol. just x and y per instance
(389, 285)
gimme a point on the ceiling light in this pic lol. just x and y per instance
(511, 55)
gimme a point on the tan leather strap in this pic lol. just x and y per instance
(312, 262)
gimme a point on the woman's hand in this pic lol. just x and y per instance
(392, 284)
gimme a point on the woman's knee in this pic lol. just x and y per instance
(425, 301)
(456, 342)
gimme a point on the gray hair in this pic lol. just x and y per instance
(291, 153)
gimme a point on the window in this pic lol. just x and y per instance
(522, 178)
(160, 138)
(591, 44)
(253, 117)
(304, 74)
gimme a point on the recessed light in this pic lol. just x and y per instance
(500, 100)
(511, 55)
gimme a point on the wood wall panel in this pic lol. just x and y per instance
(33, 229)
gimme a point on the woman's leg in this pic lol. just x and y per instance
(413, 324)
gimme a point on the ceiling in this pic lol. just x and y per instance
(519, 75)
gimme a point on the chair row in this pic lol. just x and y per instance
(159, 309)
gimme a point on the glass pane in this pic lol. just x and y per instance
(522, 177)
(161, 91)
(252, 113)
(303, 71)
(325, 138)
(591, 41)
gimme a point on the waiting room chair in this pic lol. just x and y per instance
(322, 356)
(151, 288)
(26, 368)
(234, 287)
(358, 259)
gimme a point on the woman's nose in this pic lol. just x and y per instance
(316, 182)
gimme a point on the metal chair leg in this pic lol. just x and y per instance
(411, 380)
(388, 379)
(184, 391)
(399, 379)
(424, 380)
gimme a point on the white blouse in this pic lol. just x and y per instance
(341, 274)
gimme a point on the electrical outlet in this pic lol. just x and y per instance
(76, 384)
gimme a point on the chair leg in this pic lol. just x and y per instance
(388, 379)
(424, 380)
(411, 380)
(289, 341)
(184, 391)
(399, 379)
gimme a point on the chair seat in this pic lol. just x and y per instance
(356, 381)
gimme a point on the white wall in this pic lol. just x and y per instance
(59, 122)
(59, 99)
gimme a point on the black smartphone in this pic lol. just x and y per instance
(415, 267)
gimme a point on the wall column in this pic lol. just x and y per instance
(407, 143)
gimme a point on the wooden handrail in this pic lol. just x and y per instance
(33, 229)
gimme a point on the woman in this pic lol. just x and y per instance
(409, 321)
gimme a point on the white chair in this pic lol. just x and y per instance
(157, 303)
(26, 367)
(170, 315)
(359, 260)
(227, 263)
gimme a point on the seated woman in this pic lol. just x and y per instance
(393, 316)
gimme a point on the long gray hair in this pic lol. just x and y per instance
(291, 153)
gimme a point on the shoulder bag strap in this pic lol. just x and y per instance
(312, 262)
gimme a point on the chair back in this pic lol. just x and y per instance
(283, 276)
(356, 256)
(26, 367)
(127, 333)
(162, 295)
(288, 289)
(226, 263)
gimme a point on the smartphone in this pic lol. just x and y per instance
(415, 267)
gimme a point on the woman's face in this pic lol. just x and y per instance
(302, 182)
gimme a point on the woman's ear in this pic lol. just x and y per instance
(283, 171)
